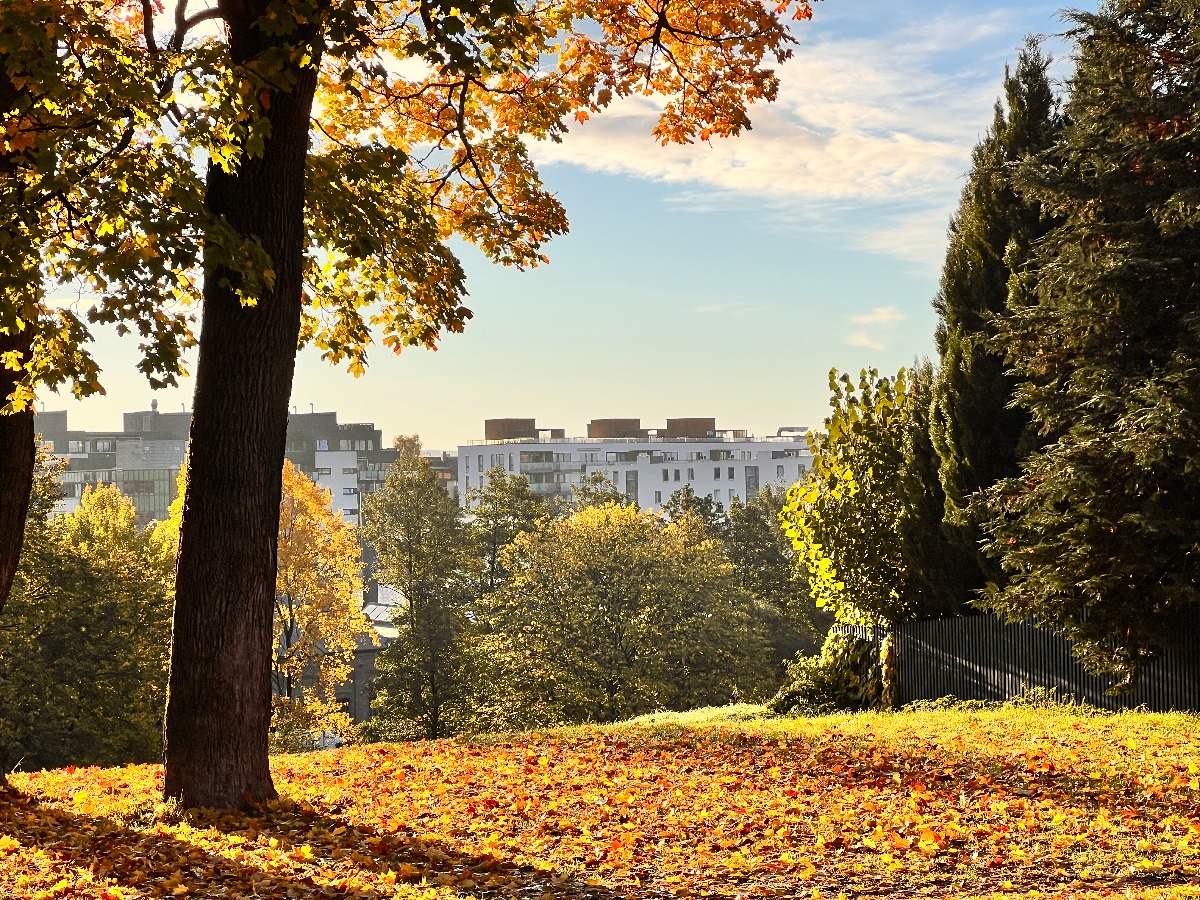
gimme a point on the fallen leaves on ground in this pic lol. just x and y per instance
(935, 804)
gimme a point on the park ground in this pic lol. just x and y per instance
(1024, 801)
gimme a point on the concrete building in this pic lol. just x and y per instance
(647, 464)
(143, 459)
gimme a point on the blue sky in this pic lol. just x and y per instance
(714, 280)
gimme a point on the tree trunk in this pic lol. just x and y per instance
(219, 699)
(16, 468)
(17, 430)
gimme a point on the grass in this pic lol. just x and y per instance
(1040, 801)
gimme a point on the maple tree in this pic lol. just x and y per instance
(83, 197)
(346, 142)
(319, 621)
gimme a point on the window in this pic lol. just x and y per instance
(631, 485)
(751, 480)
(350, 513)
(691, 474)
(346, 492)
(731, 473)
(779, 473)
(468, 481)
(320, 472)
(510, 462)
(74, 446)
(349, 470)
(717, 473)
(717, 495)
(468, 461)
(562, 457)
(322, 444)
(104, 446)
(666, 474)
(480, 467)
(589, 456)
(676, 474)
(343, 445)
(658, 497)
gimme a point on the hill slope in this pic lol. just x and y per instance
(1041, 802)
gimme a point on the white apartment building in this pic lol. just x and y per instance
(647, 465)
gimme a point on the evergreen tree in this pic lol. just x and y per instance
(938, 565)
(978, 434)
(1098, 533)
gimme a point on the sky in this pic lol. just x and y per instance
(721, 279)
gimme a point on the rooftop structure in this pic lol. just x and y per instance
(647, 464)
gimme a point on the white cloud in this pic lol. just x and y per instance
(881, 317)
(862, 339)
(869, 123)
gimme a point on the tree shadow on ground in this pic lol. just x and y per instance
(284, 851)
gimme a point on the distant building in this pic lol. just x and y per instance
(143, 459)
(647, 465)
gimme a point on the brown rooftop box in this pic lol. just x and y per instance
(615, 428)
(691, 428)
(509, 429)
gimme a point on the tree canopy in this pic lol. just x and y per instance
(1097, 533)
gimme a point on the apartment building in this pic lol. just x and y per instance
(647, 465)
(143, 459)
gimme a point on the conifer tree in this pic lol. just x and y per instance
(978, 434)
(1098, 532)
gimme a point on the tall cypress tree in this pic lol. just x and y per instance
(1098, 532)
(978, 435)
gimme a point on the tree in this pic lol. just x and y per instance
(939, 565)
(849, 518)
(319, 621)
(409, 444)
(83, 647)
(708, 510)
(1097, 532)
(609, 613)
(765, 565)
(392, 166)
(596, 489)
(979, 433)
(414, 527)
(500, 509)
(81, 199)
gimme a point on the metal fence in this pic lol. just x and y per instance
(983, 658)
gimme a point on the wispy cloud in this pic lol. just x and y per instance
(880, 317)
(883, 122)
(725, 309)
(862, 339)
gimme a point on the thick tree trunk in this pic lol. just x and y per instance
(219, 700)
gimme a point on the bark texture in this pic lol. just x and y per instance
(16, 430)
(219, 700)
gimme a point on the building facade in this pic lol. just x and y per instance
(143, 459)
(647, 465)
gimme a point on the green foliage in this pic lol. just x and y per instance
(979, 434)
(848, 675)
(610, 613)
(500, 510)
(596, 489)
(709, 511)
(842, 517)
(1098, 532)
(425, 674)
(766, 566)
(83, 642)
